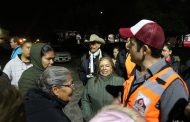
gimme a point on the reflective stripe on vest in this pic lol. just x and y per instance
(158, 88)
(146, 96)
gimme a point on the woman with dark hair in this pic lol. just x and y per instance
(115, 53)
(95, 95)
(170, 59)
(45, 103)
(42, 56)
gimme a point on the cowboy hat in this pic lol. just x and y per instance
(96, 38)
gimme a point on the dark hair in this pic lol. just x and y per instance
(103, 58)
(15, 39)
(25, 42)
(156, 53)
(11, 104)
(168, 45)
(116, 47)
(46, 48)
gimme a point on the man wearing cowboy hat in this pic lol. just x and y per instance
(88, 67)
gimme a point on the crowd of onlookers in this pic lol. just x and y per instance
(141, 82)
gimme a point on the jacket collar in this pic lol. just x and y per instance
(155, 68)
(16, 48)
(54, 99)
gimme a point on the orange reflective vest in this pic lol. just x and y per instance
(129, 66)
(146, 96)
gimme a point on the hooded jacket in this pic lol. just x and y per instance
(44, 107)
(29, 76)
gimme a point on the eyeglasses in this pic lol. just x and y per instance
(70, 85)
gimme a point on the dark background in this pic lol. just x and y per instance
(40, 19)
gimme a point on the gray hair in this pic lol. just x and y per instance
(54, 75)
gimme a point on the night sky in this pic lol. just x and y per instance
(39, 18)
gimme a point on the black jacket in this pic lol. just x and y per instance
(84, 67)
(175, 65)
(120, 68)
(4, 78)
(43, 107)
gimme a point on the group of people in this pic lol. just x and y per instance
(32, 90)
(144, 86)
(152, 85)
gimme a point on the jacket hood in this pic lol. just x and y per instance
(35, 55)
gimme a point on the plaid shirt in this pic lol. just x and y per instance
(14, 69)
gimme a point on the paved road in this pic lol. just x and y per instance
(72, 110)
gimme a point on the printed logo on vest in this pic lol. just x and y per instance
(141, 103)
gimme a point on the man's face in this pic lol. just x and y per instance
(26, 49)
(13, 44)
(136, 56)
(48, 59)
(94, 46)
(166, 52)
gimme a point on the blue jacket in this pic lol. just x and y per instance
(15, 52)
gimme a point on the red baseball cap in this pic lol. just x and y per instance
(147, 31)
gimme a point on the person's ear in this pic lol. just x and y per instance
(55, 90)
(146, 49)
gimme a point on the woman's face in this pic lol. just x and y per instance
(115, 52)
(166, 52)
(105, 67)
(47, 59)
(65, 91)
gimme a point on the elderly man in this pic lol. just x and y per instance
(88, 65)
(156, 91)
